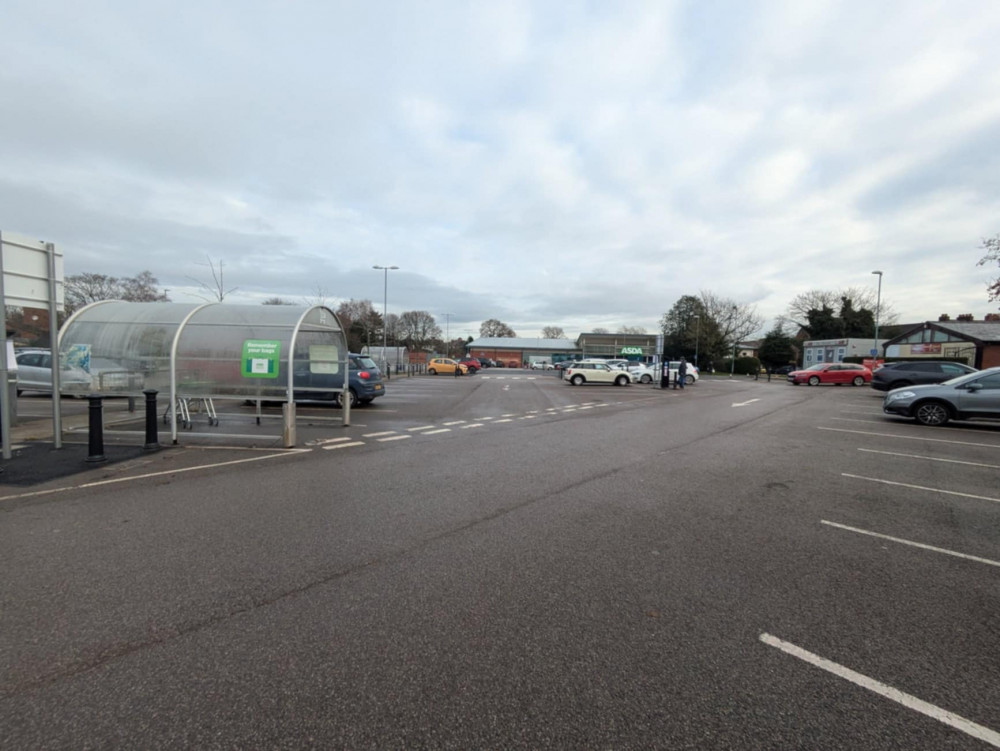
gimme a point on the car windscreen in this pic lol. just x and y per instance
(366, 362)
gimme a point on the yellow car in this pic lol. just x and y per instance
(445, 366)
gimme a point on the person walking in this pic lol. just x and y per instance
(682, 369)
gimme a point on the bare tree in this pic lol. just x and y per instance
(992, 247)
(277, 301)
(600, 330)
(418, 328)
(361, 322)
(726, 323)
(83, 289)
(631, 330)
(217, 289)
(495, 328)
(553, 332)
(816, 299)
(320, 296)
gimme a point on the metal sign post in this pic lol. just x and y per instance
(31, 275)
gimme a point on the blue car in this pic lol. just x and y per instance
(364, 383)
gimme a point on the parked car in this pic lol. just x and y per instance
(445, 366)
(784, 370)
(894, 375)
(593, 372)
(642, 372)
(543, 365)
(691, 371)
(837, 373)
(34, 373)
(472, 365)
(971, 395)
(364, 382)
(619, 364)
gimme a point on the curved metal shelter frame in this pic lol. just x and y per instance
(206, 351)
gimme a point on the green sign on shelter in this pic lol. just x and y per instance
(260, 358)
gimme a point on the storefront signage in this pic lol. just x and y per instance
(260, 358)
(631, 350)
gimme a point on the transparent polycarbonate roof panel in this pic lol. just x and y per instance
(222, 350)
(124, 346)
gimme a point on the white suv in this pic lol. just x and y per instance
(596, 372)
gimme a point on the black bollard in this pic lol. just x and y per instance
(96, 440)
(152, 440)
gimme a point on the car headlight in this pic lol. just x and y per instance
(895, 396)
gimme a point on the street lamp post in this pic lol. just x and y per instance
(878, 305)
(447, 334)
(697, 335)
(732, 362)
(385, 312)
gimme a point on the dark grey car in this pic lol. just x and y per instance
(975, 394)
(894, 375)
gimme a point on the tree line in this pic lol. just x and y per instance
(705, 328)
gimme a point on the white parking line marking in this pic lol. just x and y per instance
(527, 417)
(98, 483)
(332, 440)
(344, 445)
(435, 432)
(422, 427)
(921, 487)
(510, 414)
(472, 425)
(505, 420)
(951, 428)
(394, 438)
(921, 545)
(484, 419)
(453, 422)
(894, 694)
(932, 459)
(376, 435)
(910, 437)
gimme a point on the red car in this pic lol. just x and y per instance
(832, 372)
(472, 364)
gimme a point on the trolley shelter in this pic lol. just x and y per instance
(196, 353)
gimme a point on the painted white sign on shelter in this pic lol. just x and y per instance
(25, 266)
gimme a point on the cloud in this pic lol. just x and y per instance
(577, 164)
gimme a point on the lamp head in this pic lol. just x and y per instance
(877, 272)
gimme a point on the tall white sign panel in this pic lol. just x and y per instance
(31, 275)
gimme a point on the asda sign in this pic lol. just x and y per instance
(631, 350)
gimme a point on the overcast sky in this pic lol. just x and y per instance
(579, 164)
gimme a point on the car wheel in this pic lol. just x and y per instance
(932, 413)
(689, 380)
(814, 380)
(432, 371)
(577, 380)
(646, 379)
(353, 396)
(859, 381)
(621, 381)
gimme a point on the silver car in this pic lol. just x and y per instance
(967, 396)
(34, 373)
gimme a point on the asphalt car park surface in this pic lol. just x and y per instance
(740, 564)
